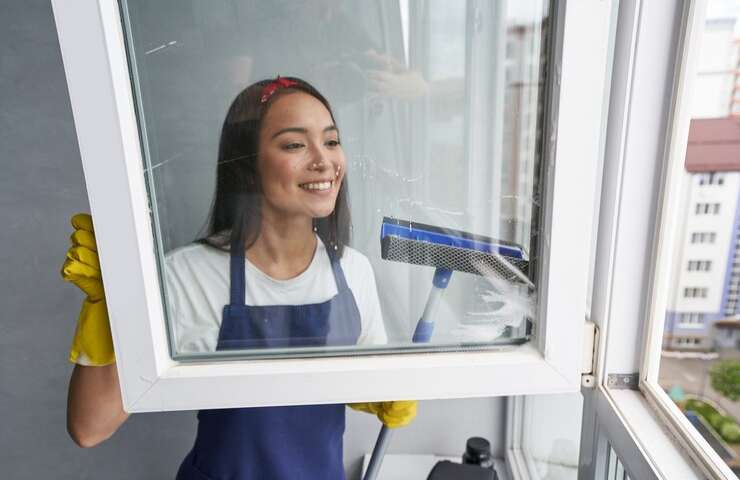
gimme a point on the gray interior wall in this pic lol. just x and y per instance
(41, 185)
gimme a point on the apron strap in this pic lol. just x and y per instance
(338, 272)
(237, 273)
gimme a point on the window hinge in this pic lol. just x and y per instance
(590, 343)
(623, 381)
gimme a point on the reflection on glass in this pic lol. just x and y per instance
(437, 108)
(552, 435)
(700, 364)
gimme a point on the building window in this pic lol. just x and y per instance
(695, 292)
(691, 320)
(712, 178)
(703, 237)
(688, 341)
(699, 265)
(706, 208)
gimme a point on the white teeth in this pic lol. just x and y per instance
(317, 186)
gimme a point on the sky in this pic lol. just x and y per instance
(723, 8)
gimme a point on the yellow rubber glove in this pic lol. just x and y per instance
(393, 414)
(92, 343)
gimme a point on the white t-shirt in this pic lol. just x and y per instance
(197, 281)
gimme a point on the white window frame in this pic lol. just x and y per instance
(519, 461)
(98, 77)
(707, 460)
(654, 66)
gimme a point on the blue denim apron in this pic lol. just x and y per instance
(275, 443)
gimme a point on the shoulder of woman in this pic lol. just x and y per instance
(354, 259)
(190, 253)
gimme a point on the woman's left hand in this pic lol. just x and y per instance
(393, 414)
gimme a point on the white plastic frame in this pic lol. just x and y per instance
(648, 125)
(665, 242)
(94, 56)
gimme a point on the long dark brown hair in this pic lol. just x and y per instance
(236, 215)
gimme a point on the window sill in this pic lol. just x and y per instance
(686, 439)
(627, 415)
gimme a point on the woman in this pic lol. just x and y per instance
(280, 220)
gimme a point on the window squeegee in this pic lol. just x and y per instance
(446, 250)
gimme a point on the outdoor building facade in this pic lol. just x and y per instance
(706, 280)
(706, 286)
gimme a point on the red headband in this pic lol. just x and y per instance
(269, 89)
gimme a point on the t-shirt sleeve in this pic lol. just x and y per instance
(373, 328)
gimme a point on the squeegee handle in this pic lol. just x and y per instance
(425, 325)
(423, 331)
(381, 445)
(422, 334)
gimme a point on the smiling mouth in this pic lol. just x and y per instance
(317, 186)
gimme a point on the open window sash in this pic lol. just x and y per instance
(100, 86)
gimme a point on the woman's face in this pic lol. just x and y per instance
(300, 159)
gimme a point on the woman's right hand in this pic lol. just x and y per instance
(92, 343)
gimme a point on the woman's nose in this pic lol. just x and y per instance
(319, 160)
(318, 166)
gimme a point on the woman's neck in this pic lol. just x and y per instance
(283, 249)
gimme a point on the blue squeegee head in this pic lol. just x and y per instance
(420, 244)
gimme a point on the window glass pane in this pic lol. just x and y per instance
(700, 365)
(551, 435)
(432, 144)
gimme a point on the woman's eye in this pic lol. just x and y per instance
(333, 143)
(293, 146)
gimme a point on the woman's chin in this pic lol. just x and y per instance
(324, 209)
(322, 213)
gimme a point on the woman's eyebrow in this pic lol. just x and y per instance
(290, 129)
(302, 130)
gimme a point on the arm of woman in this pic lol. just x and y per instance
(94, 405)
